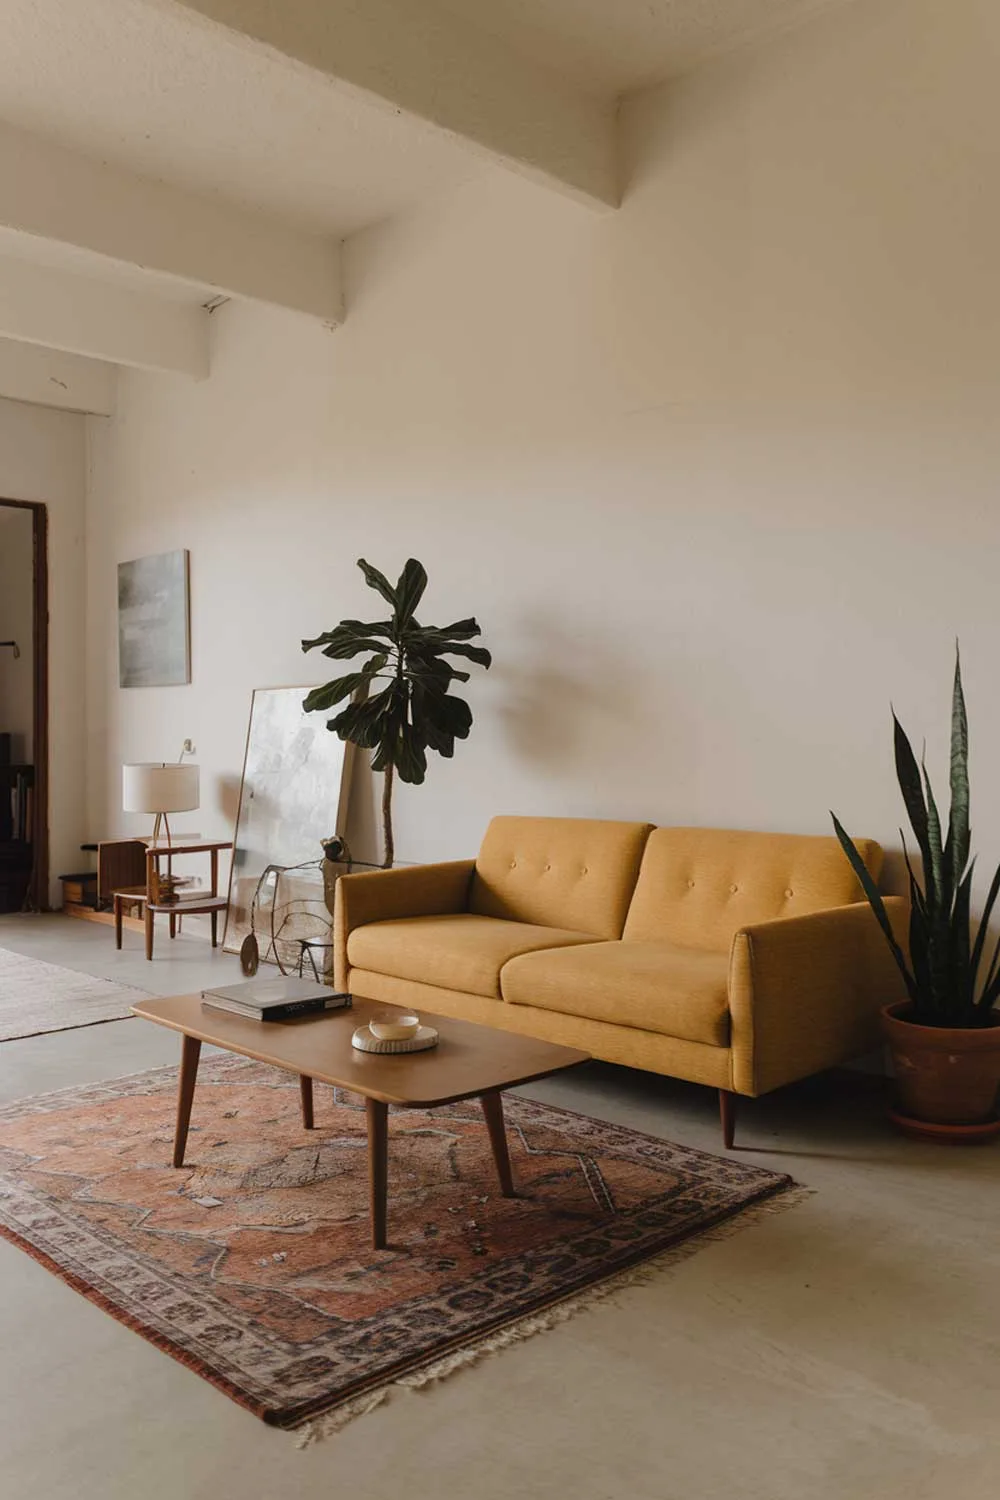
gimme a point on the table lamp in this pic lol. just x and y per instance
(160, 787)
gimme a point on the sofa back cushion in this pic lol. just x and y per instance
(698, 886)
(578, 873)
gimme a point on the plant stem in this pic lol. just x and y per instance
(387, 775)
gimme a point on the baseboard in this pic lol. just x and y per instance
(106, 918)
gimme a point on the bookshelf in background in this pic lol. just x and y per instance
(17, 790)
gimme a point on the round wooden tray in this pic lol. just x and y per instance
(364, 1041)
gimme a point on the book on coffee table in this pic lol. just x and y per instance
(275, 999)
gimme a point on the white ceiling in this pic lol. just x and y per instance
(131, 132)
(176, 99)
(614, 47)
(73, 258)
(163, 93)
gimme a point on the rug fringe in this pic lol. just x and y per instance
(332, 1421)
(328, 1423)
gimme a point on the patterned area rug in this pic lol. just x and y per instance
(36, 997)
(252, 1264)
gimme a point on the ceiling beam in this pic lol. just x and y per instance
(82, 315)
(55, 194)
(430, 64)
(47, 377)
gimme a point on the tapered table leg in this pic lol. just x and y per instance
(378, 1166)
(493, 1110)
(306, 1090)
(190, 1053)
(149, 932)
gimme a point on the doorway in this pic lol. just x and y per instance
(24, 706)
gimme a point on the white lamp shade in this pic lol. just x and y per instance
(160, 788)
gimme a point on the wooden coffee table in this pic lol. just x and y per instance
(469, 1062)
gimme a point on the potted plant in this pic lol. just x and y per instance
(415, 711)
(944, 1039)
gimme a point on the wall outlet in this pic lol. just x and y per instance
(188, 747)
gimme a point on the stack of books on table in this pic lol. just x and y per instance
(275, 999)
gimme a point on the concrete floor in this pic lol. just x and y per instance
(848, 1349)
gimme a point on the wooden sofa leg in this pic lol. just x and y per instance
(727, 1113)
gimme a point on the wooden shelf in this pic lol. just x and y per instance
(9, 774)
(190, 905)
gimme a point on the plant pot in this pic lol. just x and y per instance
(945, 1075)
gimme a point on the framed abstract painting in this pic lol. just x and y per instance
(154, 621)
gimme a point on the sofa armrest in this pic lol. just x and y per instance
(805, 992)
(379, 895)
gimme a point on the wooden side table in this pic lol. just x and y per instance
(127, 901)
(200, 902)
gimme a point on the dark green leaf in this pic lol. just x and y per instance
(409, 592)
(370, 627)
(411, 759)
(460, 630)
(959, 837)
(478, 654)
(347, 640)
(378, 581)
(431, 672)
(342, 687)
(918, 950)
(450, 714)
(917, 893)
(359, 721)
(346, 628)
(990, 988)
(876, 903)
(940, 904)
(945, 892)
(984, 922)
(908, 776)
(960, 978)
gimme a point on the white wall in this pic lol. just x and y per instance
(16, 624)
(717, 473)
(43, 457)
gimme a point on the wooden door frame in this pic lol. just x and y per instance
(38, 888)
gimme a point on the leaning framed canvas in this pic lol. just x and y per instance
(154, 621)
(294, 793)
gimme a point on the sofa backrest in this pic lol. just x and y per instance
(698, 886)
(577, 873)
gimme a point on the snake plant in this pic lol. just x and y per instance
(415, 712)
(942, 971)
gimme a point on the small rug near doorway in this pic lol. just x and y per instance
(253, 1266)
(37, 997)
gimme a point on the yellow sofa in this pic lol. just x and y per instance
(739, 960)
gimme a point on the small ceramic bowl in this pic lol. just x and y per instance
(394, 1028)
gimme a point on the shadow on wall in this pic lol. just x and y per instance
(567, 700)
(228, 797)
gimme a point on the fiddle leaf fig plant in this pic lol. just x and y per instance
(942, 974)
(415, 711)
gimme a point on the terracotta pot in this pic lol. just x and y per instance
(944, 1074)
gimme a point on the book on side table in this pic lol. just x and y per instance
(275, 999)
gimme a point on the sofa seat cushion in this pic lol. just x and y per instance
(458, 952)
(679, 992)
